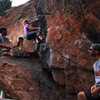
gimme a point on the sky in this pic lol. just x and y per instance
(18, 2)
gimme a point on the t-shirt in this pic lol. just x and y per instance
(26, 30)
(96, 67)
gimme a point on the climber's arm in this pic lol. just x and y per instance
(34, 21)
(33, 28)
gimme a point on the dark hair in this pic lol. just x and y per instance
(26, 21)
(3, 29)
(20, 40)
(96, 46)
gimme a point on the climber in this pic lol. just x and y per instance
(32, 32)
(94, 93)
(3, 32)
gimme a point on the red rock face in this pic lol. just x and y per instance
(69, 46)
(16, 81)
(23, 79)
(13, 21)
(72, 27)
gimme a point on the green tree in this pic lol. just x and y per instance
(4, 5)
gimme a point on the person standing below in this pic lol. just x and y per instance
(20, 43)
(94, 93)
(3, 32)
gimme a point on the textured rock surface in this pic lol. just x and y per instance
(72, 26)
(13, 21)
(17, 81)
(23, 79)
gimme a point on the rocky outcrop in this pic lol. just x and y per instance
(72, 26)
(17, 82)
(23, 79)
(13, 18)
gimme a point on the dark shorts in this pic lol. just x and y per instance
(89, 96)
(32, 35)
